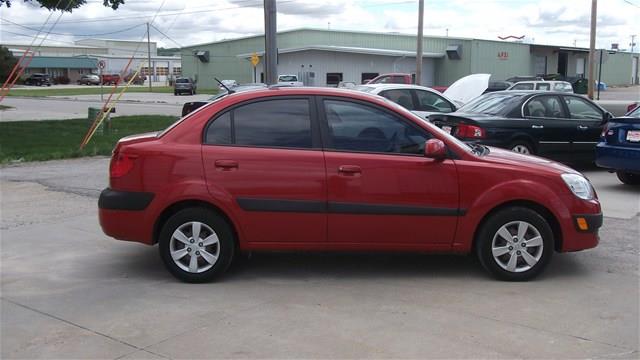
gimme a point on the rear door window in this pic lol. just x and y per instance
(401, 97)
(544, 107)
(282, 123)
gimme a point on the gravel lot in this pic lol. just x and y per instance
(68, 291)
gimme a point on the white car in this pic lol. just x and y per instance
(421, 100)
(561, 86)
(289, 80)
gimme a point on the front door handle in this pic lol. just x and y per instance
(537, 126)
(226, 164)
(349, 169)
(582, 127)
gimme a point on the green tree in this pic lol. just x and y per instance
(65, 5)
(7, 62)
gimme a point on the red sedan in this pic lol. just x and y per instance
(331, 169)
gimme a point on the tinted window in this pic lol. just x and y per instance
(182, 81)
(428, 101)
(219, 132)
(273, 123)
(544, 107)
(401, 97)
(357, 127)
(545, 87)
(527, 86)
(581, 109)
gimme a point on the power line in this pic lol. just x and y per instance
(81, 35)
(167, 36)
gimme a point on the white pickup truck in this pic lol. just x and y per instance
(290, 80)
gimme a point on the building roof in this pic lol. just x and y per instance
(63, 62)
(349, 49)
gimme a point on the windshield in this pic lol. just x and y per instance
(364, 88)
(492, 103)
(288, 78)
(182, 81)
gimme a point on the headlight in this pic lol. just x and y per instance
(579, 186)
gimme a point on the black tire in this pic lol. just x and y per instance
(224, 248)
(628, 178)
(194, 92)
(497, 266)
(522, 147)
(175, 93)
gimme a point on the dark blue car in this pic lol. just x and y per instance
(619, 147)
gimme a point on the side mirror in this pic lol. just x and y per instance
(606, 117)
(435, 149)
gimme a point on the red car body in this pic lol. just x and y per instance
(333, 200)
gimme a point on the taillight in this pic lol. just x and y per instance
(121, 164)
(470, 132)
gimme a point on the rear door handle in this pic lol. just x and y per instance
(582, 127)
(537, 126)
(226, 164)
(349, 169)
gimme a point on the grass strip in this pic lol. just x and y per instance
(60, 139)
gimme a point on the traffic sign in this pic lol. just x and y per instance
(101, 64)
(255, 59)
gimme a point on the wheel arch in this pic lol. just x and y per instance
(192, 203)
(540, 209)
(524, 138)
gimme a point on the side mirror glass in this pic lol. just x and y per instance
(435, 149)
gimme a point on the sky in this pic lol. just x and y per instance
(553, 22)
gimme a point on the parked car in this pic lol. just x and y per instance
(561, 86)
(228, 83)
(191, 106)
(110, 79)
(329, 169)
(393, 78)
(556, 125)
(289, 80)
(138, 80)
(515, 79)
(38, 80)
(421, 100)
(619, 147)
(89, 79)
(184, 85)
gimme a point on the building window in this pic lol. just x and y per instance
(333, 79)
(365, 77)
(162, 71)
(177, 70)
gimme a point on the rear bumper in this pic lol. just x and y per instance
(122, 215)
(618, 157)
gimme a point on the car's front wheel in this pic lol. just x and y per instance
(515, 244)
(196, 245)
(628, 178)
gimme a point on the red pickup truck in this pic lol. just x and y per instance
(400, 78)
(109, 79)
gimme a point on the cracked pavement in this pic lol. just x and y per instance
(68, 291)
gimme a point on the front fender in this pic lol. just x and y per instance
(519, 190)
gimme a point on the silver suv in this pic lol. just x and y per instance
(184, 85)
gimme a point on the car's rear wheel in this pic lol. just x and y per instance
(515, 244)
(628, 178)
(521, 147)
(196, 245)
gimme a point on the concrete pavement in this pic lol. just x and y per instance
(68, 291)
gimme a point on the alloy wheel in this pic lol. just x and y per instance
(517, 246)
(522, 149)
(194, 247)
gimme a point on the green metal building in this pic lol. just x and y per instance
(325, 57)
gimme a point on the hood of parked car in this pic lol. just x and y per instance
(467, 88)
(507, 157)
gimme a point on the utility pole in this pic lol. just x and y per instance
(592, 47)
(633, 42)
(270, 45)
(419, 49)
(149, 58)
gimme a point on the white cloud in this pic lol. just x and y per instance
(559, 22)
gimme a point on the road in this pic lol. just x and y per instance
(73, 107)
(68, 291)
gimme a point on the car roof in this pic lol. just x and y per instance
(534, 92)
(541, 82)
